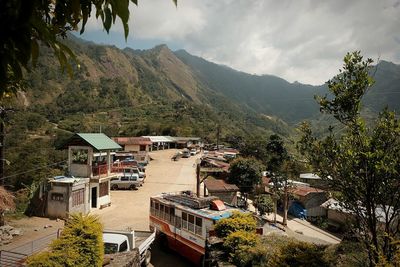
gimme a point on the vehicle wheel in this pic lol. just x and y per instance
(132, 187)
(147, 258)
(114, 187)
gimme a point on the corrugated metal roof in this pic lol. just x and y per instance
(214, 185)
(132, 140)
(159, 139)
(99, 141)
(305, 190)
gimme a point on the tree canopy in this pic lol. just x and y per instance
(363, 163)
(245, 173)
(36, 22)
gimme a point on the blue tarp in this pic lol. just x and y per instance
(297, 210)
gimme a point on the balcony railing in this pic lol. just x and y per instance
(99, 170)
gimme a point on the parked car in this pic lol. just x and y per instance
(186, 153)
(193, 152)
(135, 170)
(128, 181)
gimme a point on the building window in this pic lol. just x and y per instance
(57, 196)
(103, 189)
(78, 197)
(142, 148)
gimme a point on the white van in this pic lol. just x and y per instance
(128, 181)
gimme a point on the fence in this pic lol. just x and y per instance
(36, 245)
(11, 259)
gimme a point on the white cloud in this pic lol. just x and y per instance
(300, 40)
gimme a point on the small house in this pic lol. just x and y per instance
(67, 195)
(134, 144)
(89, 157)
(311, 198)
(224, 191)
(313, 180)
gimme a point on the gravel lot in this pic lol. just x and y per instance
(131, 208)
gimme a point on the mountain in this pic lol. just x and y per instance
(158, 92)
(293, 102)
(265, 94)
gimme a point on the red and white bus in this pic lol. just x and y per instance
(184, 221)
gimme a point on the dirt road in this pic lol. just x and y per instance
(131, 208)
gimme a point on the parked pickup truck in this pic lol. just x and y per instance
(116, 241)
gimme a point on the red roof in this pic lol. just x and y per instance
(305, 190)
(214, 185)
(132, 140)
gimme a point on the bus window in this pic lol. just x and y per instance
(199, 226)
(184, 220)
(191, 223)
(178, 222)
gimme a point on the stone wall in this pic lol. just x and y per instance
(126, 259)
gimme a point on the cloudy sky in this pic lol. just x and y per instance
(298, 40)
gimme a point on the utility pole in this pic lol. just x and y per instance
(2, 159)
(3, 115)
(218, 133)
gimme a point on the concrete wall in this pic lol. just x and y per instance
(337, 216)
(58, 208)
(80, 170)
(313, 199)
(84, 207)
(61, 209)
(132, 148)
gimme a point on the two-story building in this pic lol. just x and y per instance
(87, 185)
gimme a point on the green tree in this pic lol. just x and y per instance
(237, 242)
(294, 253)
(31, 23)
(264, 204)
(282, 168)
(245, 173)
(238, 221)
(80, 244)
(363, 164)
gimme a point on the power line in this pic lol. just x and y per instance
(28, 171)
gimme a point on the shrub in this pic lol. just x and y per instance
(295, 253)
(237, 222)
(80, 244)
(240, 239)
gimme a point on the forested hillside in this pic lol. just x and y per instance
(156, 92)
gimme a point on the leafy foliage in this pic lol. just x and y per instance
(80, 244)
(264, 204)
(365, 159)
(238, 221)
(239, 241)
(245, 173)
(294, 253)
(46, 22)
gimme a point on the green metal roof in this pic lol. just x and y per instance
(99, 141)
